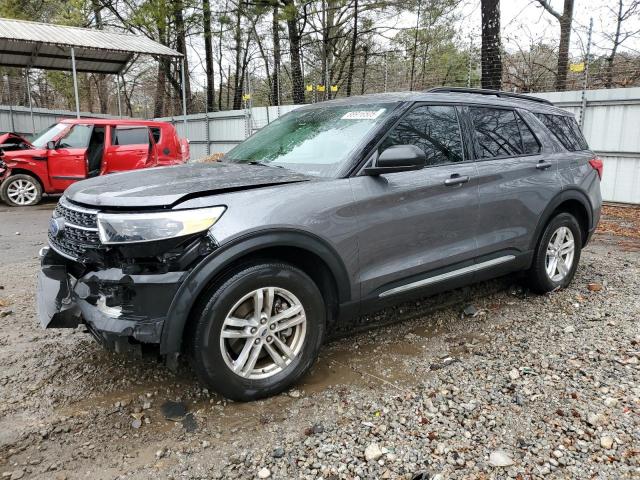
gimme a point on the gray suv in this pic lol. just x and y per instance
(246, 266)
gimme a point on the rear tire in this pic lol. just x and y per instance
(21, 191)
(259, 332)
(557, 254)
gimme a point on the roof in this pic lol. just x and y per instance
(466, 97)
(47, 46)
(112, 121)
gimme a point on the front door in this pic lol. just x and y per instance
(67, 163)
(417, 227)
(128, 148)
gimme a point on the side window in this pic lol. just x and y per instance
(496, 132)
(433, 128)
(131, 136)
(566, 130)
(77, 137)
(530, 144)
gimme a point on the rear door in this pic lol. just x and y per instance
(129, 147)
(67, 163)
(518, 177)
(418, 226)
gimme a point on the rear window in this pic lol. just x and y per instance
(566, 130)
(131, 136)
(496, 132)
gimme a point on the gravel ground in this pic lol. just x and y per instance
(499, 384)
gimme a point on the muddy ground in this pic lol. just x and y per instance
(70, 410)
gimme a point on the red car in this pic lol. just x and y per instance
(73, 150)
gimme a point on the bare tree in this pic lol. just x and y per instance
(208, 53)
(623, 13)
(490, 52)
(565, 18)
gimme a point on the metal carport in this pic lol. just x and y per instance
(26, 44)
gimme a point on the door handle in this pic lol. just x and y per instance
(542, 165)
(456, 179)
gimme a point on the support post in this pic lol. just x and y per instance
(118, 90)
(184, 98)
(33, 123)
(75, 81)
(13, 126)
(585, 79)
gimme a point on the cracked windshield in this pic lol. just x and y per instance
(312, 141)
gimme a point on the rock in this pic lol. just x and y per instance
(161, 453)
(206, 444)
(570, 329)
(372, 452)
(610, 402)
(17, 474)
(137, 423)
(317, 428)
(294, 394)
(174, 411)
(500, 458)
(264, 473)
(470, 311)
(278, 452)
(594, 287)
(606, 443)
(595, 419)
(514, 374)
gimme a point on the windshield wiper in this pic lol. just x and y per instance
(264, 164)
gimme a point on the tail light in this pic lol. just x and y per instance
(597, 164)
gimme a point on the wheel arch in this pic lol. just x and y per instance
(571, 201)
(304, 250)
(23, 171)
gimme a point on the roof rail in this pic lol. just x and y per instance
(484, 91)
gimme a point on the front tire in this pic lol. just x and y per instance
(259, 332)
(21, 191)
(557, 255)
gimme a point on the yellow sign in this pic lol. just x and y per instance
(334, 88)
(246, 97)
(577, 67)
(320, 88)
(309, 88)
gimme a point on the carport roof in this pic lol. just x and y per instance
(47, 46)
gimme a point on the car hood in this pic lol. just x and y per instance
(166, 186)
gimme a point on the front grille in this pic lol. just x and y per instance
(80, 232)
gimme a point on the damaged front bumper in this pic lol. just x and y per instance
(121, 310)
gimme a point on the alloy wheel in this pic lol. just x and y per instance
(560, 254)
(22, 192)
(263, 333)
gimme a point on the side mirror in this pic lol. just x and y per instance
(51, 145)
(399, 158)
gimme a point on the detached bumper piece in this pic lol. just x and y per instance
(121, 310)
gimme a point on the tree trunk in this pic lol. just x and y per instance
(161, 86)
(181, 46)
(616, 41)
(490, 54)
(238, 77)
(220, 72)
(415, 47)
(275, 76)
(99, 77)
(208, 53)
(365, 51)
(565, 39)
(294, 50)
(352, 54)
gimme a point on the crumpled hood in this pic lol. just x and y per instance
(166, 186)
(11, 141)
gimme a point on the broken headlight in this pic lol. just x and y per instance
(116, 228)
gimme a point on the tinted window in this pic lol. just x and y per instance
(434, 129)
(77, 137)
(131, 136)
(566, 130)
(496, 131)
(529, 142)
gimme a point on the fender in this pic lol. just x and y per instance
(563, 196)
(198, 279)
